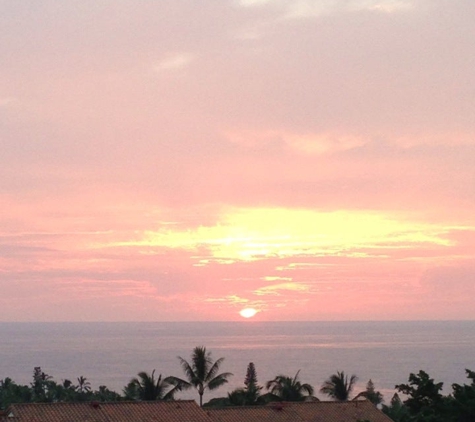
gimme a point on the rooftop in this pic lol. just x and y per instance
(352, 411)
(189, 411)
(152, 411)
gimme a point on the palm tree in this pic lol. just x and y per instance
(42, 386)
(338, 387)
(202, 373)
(289, 389)
(146, 388)
(84, 386)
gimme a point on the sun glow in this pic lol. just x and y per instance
(252, 234)
(248, 312)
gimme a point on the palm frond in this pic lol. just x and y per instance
(338, 387)
(213, 370)
(201, 362)
(174, 385)
(296, 377)
(178, 383)
(289, 389)
(219, 380)
(188, 369)
(308, 388)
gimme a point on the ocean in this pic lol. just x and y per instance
(112, 353)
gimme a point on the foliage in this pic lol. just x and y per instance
(252, 390)
(250, 394)
(338, 386)
(251, 375)
(236, 397)
(425, 401)
(397, 410)
(218, 402)
(146, 388)
(45, 390)
(84, 386)
(10, 392)
(289, 389)
(202, 373)
(463, 403)
(423, 398)
(371, 394)
(103, 394)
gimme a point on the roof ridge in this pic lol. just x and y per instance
(107, 403)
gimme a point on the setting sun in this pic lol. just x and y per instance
(248, 312)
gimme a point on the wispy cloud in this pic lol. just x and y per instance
(174, 61)
(231, 299)
(274, 278)
(304, 143)
(299, 9)
(252, 3)
(7, 101)
(277, 289)
(386, 6)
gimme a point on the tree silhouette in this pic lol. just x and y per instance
(289, 389)
(146, 388)
(201, 373)
(338, 386)
(397, 410)
(42, 386)
(424, 398)
(250, 394)
(371, 394)
(252, 389)
(251, 375)
(84, 386)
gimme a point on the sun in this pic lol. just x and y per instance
(248, 312)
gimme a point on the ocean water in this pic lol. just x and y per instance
(112, 353)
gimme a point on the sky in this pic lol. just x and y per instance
(180, 160)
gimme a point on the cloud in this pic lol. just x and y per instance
(277, 289)
(275, 278)
(253, 234)
(387, 6)
(303, 143)
(298, 9)
(332, 140)
(231, 299)
(253, 3)
(174, 61)
(7, 101)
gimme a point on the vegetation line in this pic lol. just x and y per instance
(423, 400)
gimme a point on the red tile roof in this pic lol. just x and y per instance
(302, 412)
(153, 411)
(189, 411)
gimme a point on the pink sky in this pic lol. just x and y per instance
(182, 160)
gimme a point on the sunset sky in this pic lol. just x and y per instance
(180, 160)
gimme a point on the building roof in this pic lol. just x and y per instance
(151, 411)
(189, 411)
(352, 411)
